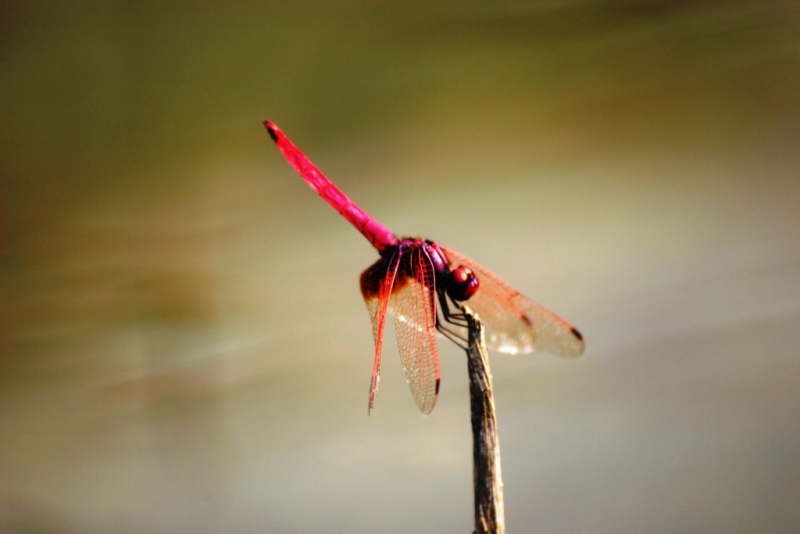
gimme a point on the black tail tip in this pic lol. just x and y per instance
(272, 129)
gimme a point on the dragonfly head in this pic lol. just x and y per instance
(461, 283)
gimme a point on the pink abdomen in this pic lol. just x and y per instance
(375, 232)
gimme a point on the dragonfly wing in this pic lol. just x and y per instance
(413, 302)
(376, 287)
(516, 323)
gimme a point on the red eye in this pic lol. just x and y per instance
(461, 283)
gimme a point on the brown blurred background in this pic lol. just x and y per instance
(183, 347)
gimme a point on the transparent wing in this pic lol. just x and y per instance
(414, 306)
(514, 322)
(376, 287)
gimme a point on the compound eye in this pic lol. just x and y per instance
(461, 283)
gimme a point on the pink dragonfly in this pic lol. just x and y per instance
(412, 275)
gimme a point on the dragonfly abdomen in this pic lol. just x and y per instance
(375, 232)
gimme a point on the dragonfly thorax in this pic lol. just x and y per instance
(460, 283)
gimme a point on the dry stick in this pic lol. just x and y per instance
(487, 479)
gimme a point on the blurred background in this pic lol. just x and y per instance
(183, 345)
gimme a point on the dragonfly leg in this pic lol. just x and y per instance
(452, 335)
(455, 319)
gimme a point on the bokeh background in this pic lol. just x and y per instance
(183, 344)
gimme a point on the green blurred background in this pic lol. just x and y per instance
(183, 344)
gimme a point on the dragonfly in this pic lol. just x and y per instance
(413, 276)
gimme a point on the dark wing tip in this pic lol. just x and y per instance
(273, 130)
(581, 346)
(577, 334)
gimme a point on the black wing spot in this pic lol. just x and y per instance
(527, 320)
(577, 334)
(437, 386)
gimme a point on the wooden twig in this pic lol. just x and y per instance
(487, 478)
